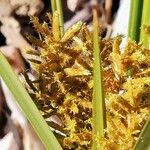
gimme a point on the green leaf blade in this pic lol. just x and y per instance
(144, 139)
(136, 8)
(27, 105)
(99, 117)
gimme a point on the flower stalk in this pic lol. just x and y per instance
(61, 19)
(145, 21)
(53, 6)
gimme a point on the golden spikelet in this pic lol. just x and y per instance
(65, 82)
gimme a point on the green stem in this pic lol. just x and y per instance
(143, 142)
(144, 139)
(61, 19)
(27, 105)
(145, 21)
(53, 5)
(135, 19)
(99, 117)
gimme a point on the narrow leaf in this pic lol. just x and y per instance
(144, 140)
(27, 105)
(99, 120)
(136, 7)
